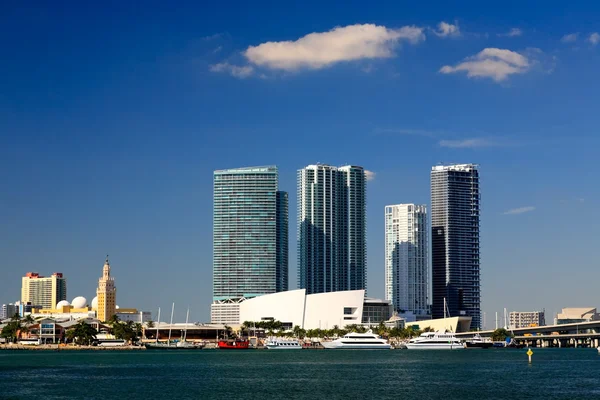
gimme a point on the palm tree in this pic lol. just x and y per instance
(82, 333)
(150, 324)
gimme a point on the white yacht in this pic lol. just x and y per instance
(355, 340)
(435, 340)
(280, 344)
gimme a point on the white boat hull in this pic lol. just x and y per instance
(434, 346)
(375, 346)
(284, 347)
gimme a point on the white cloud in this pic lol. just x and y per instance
(512, 33)
(445, 29)
(594, 38)
(468, 143)
(570, 38)
(323, 49)
(369, 175)
(493, 63)
(519, 210)
(235, 70)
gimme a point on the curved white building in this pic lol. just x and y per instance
(295, 307)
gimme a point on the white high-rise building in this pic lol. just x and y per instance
(332, 252)
(406, 266)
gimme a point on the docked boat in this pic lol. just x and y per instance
(280, 344)
(181, 345)
(354, 340)
(234, 344)
(435, 340)
(478, 343)
(598, 349)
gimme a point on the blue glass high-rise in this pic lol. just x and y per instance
(250, 223)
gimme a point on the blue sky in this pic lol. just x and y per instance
(113, 119)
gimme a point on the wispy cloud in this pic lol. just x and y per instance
(444, 29)
(513, 32)
(323, 49)
(370, 175)
(235, 70)
(594, 38)
(472, 143)
(520, 210)
(570, 38)
(497, 64)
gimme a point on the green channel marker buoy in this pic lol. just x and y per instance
(529, 353)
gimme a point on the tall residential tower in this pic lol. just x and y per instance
(455, 242)
(406, 277)
(250, 239)
(332, 253)
(44, 292)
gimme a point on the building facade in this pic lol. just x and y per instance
(406, 264)
(332, 253)
(525, 319)
(42, 291)
(8, 311)
(250, 236)
(308, 311)
(455, 263)
(573, 315)
(106, 294)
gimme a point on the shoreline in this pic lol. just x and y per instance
(55, 347)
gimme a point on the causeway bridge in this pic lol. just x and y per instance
(566, 335)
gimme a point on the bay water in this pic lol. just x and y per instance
(301, 374)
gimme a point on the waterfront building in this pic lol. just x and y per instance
(308, 311)
(451, 324)
(133, 315)
(376, 311)
(525, 319)
(250, 237)
(24, 307)
(455, 200)
(43, 291)
(106, 294)
(332, 228)
(577, 315)
(406, 265)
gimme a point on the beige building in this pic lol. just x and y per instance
(576, 315)
(106, 294)
(44, 292)
(451, 324)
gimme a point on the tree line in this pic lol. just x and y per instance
(276, 328)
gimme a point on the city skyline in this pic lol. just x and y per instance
(113, 121)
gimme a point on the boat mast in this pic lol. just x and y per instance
(187, 316)
(171, 324)
(157, 324)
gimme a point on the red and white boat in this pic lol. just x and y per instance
(234, 344)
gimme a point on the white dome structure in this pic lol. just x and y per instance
(117, 307)
(62, 304)
(95, 303)
(79, 302)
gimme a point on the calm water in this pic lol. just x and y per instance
(303, 374)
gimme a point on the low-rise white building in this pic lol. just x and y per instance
(577, 314)
(313, 311)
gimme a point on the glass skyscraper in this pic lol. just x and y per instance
(455, 242)
(406, 266)
(250, 223)
(331, 228)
